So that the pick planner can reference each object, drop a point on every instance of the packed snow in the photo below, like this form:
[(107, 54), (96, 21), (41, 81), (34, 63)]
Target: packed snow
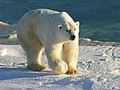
[(99, 68)]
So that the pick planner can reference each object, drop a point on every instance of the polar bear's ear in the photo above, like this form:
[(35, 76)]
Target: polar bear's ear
[(60, 27), (77, 23)]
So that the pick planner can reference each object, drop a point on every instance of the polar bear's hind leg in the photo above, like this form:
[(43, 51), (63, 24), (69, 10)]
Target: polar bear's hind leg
[(34, 54), (34, 60), (33, 48)]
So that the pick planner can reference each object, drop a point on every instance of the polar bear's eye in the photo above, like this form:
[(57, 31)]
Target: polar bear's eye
[(67, 30), (60, 27), (74, 29)]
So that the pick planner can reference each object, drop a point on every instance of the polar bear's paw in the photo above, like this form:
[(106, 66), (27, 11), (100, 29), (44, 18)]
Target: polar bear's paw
[(35, 67), (72, 70), (61, 68)]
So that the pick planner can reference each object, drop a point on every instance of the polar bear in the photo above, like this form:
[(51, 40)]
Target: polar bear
[(54, 31)]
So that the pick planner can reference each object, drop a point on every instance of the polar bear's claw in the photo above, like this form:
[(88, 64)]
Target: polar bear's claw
[(35, 67), (71, 70)]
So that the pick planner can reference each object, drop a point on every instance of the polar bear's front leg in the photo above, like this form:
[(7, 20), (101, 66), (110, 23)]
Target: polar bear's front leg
[(54, 59), (70, 51)]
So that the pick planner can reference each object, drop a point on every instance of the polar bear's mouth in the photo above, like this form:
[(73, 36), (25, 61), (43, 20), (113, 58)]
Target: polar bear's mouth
[(72, 37)]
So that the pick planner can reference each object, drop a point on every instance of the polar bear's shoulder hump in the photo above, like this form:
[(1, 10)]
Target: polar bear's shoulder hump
[(45, 11)]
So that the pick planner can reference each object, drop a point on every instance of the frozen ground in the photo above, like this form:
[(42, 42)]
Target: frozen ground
[(100, 67)]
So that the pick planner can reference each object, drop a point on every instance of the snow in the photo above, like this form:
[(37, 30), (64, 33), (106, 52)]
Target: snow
[(7, 31), (99, 68)]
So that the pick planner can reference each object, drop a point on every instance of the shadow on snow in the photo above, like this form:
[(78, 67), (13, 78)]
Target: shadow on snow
[(12, 73)]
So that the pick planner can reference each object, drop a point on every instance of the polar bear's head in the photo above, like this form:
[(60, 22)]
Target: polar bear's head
[(69, 30)]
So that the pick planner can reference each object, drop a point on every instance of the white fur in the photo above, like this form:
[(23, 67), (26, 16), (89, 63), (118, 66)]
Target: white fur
[(44, 28)]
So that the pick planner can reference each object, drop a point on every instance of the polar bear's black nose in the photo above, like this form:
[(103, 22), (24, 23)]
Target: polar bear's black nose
[(72, 37)]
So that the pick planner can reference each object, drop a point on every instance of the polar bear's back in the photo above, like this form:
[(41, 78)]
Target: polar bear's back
[(41, 12), (46, 11), (42, 15), (46, 15)]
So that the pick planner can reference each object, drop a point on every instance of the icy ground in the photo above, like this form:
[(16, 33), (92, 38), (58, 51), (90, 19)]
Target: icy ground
[(99, 66)]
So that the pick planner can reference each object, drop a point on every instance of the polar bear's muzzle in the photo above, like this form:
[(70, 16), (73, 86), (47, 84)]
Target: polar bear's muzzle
[(72, 37)]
